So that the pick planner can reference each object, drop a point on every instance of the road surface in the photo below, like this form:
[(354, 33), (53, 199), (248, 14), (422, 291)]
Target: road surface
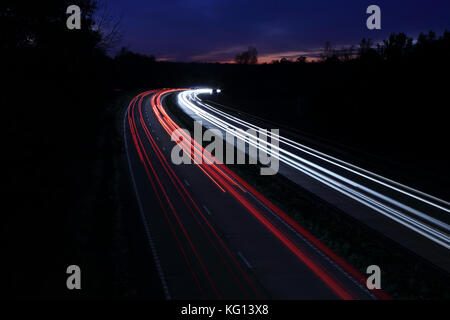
[(416, 220), (212, 235)]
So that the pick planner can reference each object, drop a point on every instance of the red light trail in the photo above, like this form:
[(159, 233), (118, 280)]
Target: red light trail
[(229, 182)]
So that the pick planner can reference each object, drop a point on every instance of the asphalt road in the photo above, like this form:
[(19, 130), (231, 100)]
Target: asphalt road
[(212, 236), (417, 221)]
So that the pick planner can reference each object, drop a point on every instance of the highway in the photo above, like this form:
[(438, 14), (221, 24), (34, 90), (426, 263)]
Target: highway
[(413, 218), (212, 235)]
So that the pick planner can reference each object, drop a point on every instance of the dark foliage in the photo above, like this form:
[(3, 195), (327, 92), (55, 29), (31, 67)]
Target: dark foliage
[(53, 99), (247, 57)]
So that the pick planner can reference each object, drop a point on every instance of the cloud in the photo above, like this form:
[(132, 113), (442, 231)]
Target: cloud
[(309, 53), (219, 55), (227, 55), (165, 59)]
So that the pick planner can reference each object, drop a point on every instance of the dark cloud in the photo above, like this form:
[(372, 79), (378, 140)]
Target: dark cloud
[(192, 30)]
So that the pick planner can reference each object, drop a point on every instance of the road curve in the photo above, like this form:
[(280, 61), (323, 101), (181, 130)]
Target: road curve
[(215, 237), (416, 220)]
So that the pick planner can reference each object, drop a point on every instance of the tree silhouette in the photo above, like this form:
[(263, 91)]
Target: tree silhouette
[(247, 57), (108, 27), (301, 59), (397, 46)]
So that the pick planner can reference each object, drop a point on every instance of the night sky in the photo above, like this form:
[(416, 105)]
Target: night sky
[(216, 30)]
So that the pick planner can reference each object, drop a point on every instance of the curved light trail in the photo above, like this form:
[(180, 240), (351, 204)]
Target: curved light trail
[(226, 182), (416, 210)]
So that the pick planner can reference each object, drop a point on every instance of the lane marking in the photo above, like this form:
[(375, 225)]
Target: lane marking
[(206, 209), (245, 260), (144, 219), (323, 255), (317, 250)]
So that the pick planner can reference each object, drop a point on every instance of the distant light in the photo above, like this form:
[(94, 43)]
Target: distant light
[(218, 91)]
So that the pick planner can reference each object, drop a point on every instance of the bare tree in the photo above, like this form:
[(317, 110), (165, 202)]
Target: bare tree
[(247, 57), (301, 59), (365, 46), (327, 52), (108, 27), (347, 53)]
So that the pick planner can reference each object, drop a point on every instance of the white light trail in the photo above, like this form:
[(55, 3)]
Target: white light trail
[(399, 202)]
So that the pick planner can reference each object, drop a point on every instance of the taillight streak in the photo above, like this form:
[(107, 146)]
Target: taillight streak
[(331, 282)]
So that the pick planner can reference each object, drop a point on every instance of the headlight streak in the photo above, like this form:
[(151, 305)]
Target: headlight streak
[(386, 205), (340, 163)]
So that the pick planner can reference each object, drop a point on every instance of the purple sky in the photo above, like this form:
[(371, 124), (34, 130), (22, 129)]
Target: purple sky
[(216, 30)]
